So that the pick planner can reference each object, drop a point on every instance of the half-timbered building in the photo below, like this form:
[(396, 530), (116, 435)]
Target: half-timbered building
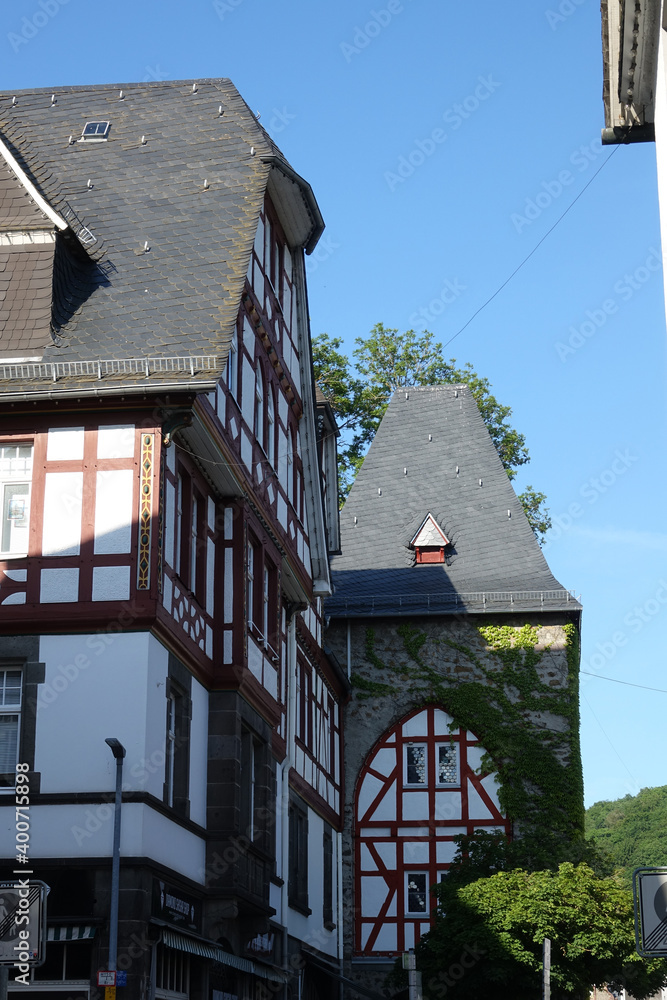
[(439, 569), (167, 513)]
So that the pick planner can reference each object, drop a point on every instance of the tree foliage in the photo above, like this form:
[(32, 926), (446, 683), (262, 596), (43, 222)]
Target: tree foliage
[(387, 360), (493, 917), (631, 829)]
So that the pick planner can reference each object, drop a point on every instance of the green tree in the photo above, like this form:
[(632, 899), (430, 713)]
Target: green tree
[(387, 360), (488, 933), (631, 829)]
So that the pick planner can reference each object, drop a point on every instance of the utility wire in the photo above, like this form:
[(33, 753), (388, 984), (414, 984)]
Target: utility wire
[(589, 673), (611, 743), (536, 247)]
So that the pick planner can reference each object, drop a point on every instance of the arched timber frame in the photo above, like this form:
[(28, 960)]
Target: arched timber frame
[(421, 786)]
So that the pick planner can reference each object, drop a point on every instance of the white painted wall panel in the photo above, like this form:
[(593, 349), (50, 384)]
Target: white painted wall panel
[(255, 659), (198, 752), (229, 523), (95, 686), (171, 459), (111, 583), (116, 441), (227, 647), (73, 831), (248, 337), (59, 586), (281, 512), (61, 532), (246, 451), (113, 511), (65, 444)]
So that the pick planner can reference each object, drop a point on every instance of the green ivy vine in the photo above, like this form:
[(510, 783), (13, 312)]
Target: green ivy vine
[(538, 792)]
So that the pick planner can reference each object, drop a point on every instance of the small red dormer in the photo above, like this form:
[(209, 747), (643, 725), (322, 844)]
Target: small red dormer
[(430, 542)]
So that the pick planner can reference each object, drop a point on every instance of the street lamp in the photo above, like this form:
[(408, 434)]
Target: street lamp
[(118, 750)]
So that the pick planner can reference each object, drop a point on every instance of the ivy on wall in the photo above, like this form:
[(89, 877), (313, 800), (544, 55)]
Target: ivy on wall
[(539, 763)]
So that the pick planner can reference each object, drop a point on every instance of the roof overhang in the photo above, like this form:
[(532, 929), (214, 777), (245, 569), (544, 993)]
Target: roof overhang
[(630, 36), (295, 204)]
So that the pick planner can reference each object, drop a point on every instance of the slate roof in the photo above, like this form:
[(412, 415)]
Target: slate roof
[(112, 299), (433, 454)]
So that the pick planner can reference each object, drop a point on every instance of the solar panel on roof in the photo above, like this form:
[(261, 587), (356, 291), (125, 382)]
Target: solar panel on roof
[(95, 130)]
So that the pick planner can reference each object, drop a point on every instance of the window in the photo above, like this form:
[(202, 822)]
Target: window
[(297, 884), (177, 738), (190, 561), (415, 764), (95, 131), (327, 894), (233, 365), (15, 478), (252, 561), (290, 467), (304, 715), (10, 718), (259, 409), (416, 892), (250, 758), (170, 749), (270, 428), (447, 764), (172, 972)]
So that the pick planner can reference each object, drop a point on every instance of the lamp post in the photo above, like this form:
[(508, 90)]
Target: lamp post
[(118, 750)]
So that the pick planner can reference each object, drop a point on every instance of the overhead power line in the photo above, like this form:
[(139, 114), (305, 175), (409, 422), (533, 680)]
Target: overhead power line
[(536, 247)]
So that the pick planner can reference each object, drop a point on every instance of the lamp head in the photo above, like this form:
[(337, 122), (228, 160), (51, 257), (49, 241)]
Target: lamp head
[(117, 748)]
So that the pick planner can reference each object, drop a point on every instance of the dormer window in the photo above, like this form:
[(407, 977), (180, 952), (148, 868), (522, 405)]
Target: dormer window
[(429, 542)]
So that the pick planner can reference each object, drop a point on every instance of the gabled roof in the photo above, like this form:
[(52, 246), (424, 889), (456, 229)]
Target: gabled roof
[(432, 453), (428, 534), (161, 218)]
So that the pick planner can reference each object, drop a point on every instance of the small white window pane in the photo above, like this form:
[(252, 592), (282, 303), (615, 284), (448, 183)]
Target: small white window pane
[(9, 741), (416, 892), (415, 764), (448, 770), (15, 517)]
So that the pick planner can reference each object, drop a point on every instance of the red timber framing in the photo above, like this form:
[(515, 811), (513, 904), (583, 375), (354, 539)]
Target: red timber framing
[(88, 496), (189, 589), (258, 402), (316, 774), (422, 785)]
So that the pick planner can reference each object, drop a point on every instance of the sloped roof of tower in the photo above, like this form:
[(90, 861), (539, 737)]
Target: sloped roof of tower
[(433, 454), (153, 227)]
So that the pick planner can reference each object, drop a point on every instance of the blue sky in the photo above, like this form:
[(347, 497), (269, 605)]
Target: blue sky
[(443, 142)]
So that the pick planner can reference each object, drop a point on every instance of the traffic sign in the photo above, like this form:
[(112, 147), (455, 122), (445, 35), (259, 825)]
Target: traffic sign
[(650, 897), (106, 978), (23, 922)]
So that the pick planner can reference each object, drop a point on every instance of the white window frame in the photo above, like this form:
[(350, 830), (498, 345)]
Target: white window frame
[(9, 710), (406, 748), (414, 913), (233, 365), (271, 427), (11, 478)]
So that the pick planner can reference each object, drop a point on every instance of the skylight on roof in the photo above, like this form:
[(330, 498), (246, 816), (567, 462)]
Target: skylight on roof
[(95, 132)]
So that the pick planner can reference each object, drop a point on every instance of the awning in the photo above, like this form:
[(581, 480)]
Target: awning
[(208, 949), (70, 933)]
